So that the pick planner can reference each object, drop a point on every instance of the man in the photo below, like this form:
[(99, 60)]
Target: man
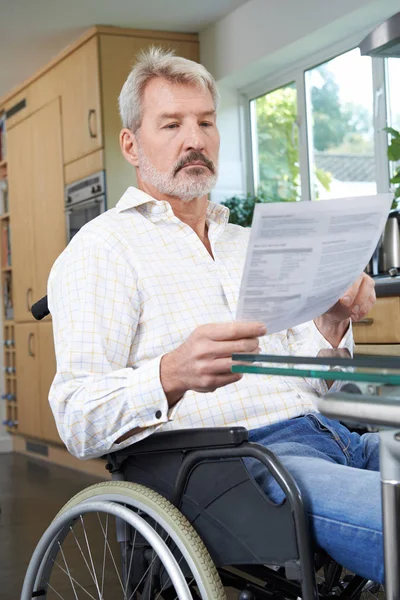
[(143, 303)]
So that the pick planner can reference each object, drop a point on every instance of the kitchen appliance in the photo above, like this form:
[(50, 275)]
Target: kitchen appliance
[(384, 40), (389, 249), (84, 200)]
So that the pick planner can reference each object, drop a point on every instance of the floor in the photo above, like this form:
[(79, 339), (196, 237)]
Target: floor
[(31, 494)]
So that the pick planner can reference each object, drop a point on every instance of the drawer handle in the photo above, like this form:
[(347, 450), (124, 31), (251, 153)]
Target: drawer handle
[(31, 352), (367, 321), (29, 299), (91, 113)]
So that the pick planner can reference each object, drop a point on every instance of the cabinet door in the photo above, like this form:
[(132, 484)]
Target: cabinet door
[(81, 118), (47, 371), (27, 371), (47, 193), (36, 204), (20, 153)]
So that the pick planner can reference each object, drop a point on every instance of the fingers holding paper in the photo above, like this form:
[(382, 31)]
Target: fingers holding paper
[(359, 298), (357, 301)]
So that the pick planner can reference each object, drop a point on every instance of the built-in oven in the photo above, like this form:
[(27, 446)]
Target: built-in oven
[(84, 200)]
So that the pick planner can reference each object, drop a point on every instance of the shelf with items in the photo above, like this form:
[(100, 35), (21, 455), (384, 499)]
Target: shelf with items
[(3, 161), (3, 153), (4, 207), (5, 242), (8, 308), (3, 166), (10, 378), (9, 396)]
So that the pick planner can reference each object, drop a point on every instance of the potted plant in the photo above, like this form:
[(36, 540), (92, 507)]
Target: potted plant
[(241, 208)]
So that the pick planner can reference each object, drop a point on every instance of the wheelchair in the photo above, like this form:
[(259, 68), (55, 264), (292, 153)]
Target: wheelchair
[(183, 518)]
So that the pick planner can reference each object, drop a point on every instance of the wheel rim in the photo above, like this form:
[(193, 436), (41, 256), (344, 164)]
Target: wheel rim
[(73, 565), (161, 525), (166, 518)]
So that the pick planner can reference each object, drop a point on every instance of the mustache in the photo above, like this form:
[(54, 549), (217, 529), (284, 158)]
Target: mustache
[(194, 156)]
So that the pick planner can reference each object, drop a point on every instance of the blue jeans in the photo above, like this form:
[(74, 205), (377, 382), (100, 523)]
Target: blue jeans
[(337, 472)]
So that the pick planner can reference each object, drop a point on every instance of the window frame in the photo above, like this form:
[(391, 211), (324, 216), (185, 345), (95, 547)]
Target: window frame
[(296, 75)]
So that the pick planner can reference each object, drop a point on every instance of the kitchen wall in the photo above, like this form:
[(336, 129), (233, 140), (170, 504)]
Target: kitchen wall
[(262, 38)]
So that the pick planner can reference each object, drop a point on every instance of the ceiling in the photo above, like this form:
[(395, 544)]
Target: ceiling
[(34, 31)]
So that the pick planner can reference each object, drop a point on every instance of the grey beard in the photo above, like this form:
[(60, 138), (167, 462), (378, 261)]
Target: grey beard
[(185, 187)]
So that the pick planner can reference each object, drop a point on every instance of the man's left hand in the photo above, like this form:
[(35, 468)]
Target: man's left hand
[(356, 302)]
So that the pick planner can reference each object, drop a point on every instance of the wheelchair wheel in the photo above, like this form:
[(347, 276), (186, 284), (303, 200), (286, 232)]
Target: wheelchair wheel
[(118, 540)]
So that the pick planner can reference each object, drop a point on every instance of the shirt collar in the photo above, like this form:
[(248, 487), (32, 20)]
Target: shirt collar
[(133, 197)]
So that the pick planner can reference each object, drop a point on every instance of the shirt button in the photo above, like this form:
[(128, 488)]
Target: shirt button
[(158, 414)]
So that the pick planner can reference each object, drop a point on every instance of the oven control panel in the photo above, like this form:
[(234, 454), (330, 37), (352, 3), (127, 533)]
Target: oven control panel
[(85, 189)]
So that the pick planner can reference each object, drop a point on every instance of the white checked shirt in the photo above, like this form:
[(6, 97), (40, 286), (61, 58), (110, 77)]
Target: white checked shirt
[(130, 287)]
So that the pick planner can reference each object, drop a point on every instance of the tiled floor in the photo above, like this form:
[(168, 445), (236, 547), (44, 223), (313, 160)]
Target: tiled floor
[(31, 494)]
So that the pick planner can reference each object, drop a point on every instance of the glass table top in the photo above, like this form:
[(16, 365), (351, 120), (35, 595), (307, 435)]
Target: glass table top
[(329, 365)]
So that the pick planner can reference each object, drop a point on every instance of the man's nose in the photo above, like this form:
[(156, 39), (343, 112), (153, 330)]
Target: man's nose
[(194, 139)]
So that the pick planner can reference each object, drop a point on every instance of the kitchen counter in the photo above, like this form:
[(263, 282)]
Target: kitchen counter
[(387, 286)]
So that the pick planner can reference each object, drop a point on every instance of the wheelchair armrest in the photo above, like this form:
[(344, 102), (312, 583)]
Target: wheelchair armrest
[(192, 439), (186, 439)]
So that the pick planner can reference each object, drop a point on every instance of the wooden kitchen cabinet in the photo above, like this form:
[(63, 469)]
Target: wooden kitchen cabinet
[(35, 370), (28, 379), (36, 189), (79, 84), (381, 325)]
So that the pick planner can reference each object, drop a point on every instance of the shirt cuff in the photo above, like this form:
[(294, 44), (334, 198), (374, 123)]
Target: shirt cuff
[(149, 394)]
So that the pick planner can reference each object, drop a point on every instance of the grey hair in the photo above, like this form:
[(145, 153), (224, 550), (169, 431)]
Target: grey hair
[(156, 62)]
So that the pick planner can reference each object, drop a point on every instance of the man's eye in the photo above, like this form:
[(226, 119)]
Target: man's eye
[(206, 124), (171, 126)]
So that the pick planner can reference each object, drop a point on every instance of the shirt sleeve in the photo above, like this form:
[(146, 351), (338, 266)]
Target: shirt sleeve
[(307, 340), (97, 396)]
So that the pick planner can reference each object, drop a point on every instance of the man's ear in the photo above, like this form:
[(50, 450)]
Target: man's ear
[(128, 143)]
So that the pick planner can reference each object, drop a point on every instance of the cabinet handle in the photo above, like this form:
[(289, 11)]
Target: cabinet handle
[(29, 299), (91, 113), (30, 351), (367, 321)]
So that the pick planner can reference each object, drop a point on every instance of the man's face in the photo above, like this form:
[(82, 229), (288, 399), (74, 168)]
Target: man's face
[(178, 140)]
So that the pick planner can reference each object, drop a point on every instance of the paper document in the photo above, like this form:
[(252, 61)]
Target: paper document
[(303, 256)]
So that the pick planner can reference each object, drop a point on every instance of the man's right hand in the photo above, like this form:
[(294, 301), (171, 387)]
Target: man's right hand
[(203, 362)]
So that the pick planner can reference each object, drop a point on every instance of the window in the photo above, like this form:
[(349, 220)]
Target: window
[(393, 94), (316, 132), (393, 106), (276, 144), (341, 134)]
